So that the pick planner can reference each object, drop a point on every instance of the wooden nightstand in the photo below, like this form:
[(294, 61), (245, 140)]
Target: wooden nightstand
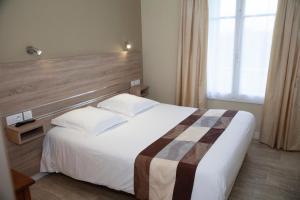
[(21, 185), (25, 133), (140, 90)]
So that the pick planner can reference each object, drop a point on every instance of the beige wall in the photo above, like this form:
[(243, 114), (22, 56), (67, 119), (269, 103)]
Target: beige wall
[(160, 24), (67, 27), (159, 29)]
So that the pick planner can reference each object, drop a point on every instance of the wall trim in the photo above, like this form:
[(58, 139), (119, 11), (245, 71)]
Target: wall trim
[(256, 135), (39, 175)]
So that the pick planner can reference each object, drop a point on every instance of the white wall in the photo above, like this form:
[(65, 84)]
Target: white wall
[(160, 26)]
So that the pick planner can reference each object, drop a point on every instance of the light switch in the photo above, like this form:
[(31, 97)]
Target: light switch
[(27, 115), (13, 119)]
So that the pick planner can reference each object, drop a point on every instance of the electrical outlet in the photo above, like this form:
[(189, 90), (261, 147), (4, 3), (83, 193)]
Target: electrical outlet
[(135, 82), (13, 119), (132, 83), (27, 115)]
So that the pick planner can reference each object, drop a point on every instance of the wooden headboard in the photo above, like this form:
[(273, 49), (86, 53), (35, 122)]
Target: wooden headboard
[(50, 87)]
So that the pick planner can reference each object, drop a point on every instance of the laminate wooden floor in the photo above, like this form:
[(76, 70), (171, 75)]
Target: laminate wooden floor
[(266, 174)]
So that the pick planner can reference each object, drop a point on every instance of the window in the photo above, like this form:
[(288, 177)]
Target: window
[(239, 45)]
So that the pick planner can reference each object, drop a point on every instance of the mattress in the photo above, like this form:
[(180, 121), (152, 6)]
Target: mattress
[(108, 159)]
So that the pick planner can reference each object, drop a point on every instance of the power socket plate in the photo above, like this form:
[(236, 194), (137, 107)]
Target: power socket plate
[(13, 119), (135, 82), (27, 115)]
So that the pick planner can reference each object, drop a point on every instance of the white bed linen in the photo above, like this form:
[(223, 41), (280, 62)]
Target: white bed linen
[(108, 159)]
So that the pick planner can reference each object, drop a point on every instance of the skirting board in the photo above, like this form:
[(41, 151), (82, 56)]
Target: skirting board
[(256, 135), (39, 175)]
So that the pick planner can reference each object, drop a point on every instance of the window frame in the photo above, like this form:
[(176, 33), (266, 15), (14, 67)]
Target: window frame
[(239, 18)]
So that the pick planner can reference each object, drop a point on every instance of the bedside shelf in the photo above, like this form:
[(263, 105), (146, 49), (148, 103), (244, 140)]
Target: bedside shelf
[(144, 90), (26, 133), (140, 90)]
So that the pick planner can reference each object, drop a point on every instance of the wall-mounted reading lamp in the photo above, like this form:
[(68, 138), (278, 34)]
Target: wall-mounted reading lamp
[(127, 46), (32, 50)]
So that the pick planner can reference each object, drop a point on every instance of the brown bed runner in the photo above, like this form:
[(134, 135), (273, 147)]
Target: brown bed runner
[(166, 168)]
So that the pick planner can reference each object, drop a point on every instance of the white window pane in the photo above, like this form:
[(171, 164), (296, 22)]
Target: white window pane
[(256, 47), (222, 8), (258, 7), (220, 57)]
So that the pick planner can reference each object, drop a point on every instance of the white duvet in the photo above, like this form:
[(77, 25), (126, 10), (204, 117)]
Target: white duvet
[(108, 159)]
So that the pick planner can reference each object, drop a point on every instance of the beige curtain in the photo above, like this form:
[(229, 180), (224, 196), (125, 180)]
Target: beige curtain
[(281, 93), (192, 53)]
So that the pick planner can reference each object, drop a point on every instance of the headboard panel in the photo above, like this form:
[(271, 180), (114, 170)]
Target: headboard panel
[(46, 85), (50, 87)]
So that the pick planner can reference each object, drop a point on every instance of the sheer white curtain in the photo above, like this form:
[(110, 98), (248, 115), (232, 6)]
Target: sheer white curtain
[(240, 36)]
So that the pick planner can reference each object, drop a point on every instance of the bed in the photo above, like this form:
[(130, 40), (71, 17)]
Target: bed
[(108, 159)]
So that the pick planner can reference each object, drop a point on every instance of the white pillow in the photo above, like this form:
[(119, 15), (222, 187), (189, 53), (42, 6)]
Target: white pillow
[(89, 120), (127, 104)]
